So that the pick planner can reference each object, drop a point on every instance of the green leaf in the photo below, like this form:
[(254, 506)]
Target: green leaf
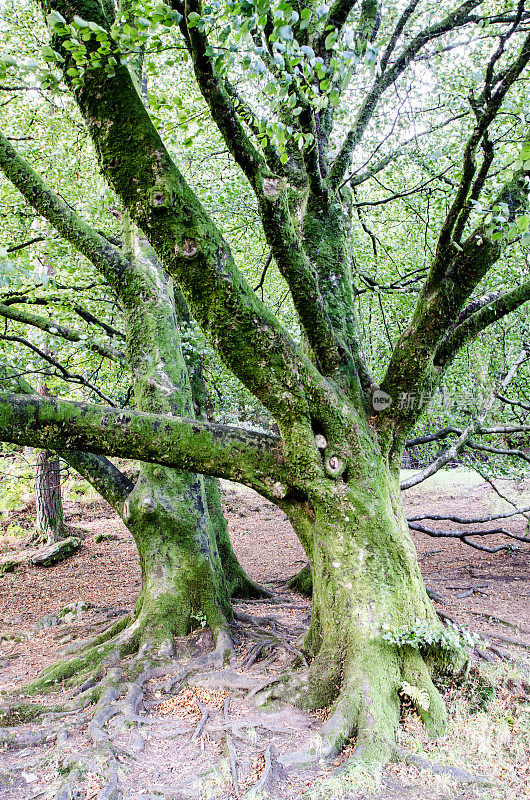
[(522, 223), (8, 61), (193, 19), (285, 32), (306, 19), (50, 55), (330, 40), (55, 17)]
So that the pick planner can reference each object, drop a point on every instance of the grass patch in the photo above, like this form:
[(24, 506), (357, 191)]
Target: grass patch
[(21, 713), (488, 734), (354, 777)]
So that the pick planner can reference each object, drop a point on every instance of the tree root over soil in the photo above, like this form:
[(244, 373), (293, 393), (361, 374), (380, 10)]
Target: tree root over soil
[(107, 676), (109, 679)]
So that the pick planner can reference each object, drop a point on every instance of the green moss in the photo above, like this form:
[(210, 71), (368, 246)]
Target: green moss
[(76, 670), (20, 714), (302, 582)]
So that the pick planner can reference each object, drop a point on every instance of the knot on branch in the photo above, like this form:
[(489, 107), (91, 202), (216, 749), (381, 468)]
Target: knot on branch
[(147, 505), (271, 187), (160, 197), (334, 465), (188, 248)]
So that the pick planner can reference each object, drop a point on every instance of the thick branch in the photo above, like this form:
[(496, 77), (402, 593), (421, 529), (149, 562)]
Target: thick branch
[(273, 204), (101, 473), (139, 168), (396, 33), (96, 248), (248, 457), (415, 358), (453, 20), (336, 18), (472, 325), (485, 117)]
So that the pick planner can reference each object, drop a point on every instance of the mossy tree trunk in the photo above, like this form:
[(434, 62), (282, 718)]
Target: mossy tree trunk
[(175, 517), (366, 587), (183, 583)]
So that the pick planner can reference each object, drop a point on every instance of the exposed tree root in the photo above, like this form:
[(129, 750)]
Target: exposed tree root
[(110, 670), (233, 766), (302, 582), (367, 704), (454, 773)]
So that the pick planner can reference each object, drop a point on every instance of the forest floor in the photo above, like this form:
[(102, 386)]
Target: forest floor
[(164, 756)]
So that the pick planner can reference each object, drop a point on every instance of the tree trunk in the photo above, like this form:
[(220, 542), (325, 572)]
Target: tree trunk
[(368, 597), (49, 523), (183, 585), (238, 582)]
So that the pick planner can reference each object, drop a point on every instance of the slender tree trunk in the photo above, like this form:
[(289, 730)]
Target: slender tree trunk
[(49, 517), (49, 522)]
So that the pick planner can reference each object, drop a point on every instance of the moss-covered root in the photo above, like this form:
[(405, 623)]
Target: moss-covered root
[(119, 696), (368, 706), (147, 639), (302, 582), (92, 660), (366, 709), (116, 697)]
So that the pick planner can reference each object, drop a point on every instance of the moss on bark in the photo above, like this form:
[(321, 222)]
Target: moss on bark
[(366, 585)]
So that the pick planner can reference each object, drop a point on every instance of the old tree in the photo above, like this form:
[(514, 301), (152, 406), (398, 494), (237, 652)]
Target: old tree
[(296, 92)]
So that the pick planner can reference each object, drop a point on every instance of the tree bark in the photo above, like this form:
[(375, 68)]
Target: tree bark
[(367, 590), (49, 521)]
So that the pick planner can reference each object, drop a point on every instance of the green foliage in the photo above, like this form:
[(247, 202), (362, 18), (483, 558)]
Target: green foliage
[(425, 638), (16, 486), (419, 697), (200, 618)]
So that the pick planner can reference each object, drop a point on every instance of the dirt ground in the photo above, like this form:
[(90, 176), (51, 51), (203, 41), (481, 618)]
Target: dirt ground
[(488, 593)]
